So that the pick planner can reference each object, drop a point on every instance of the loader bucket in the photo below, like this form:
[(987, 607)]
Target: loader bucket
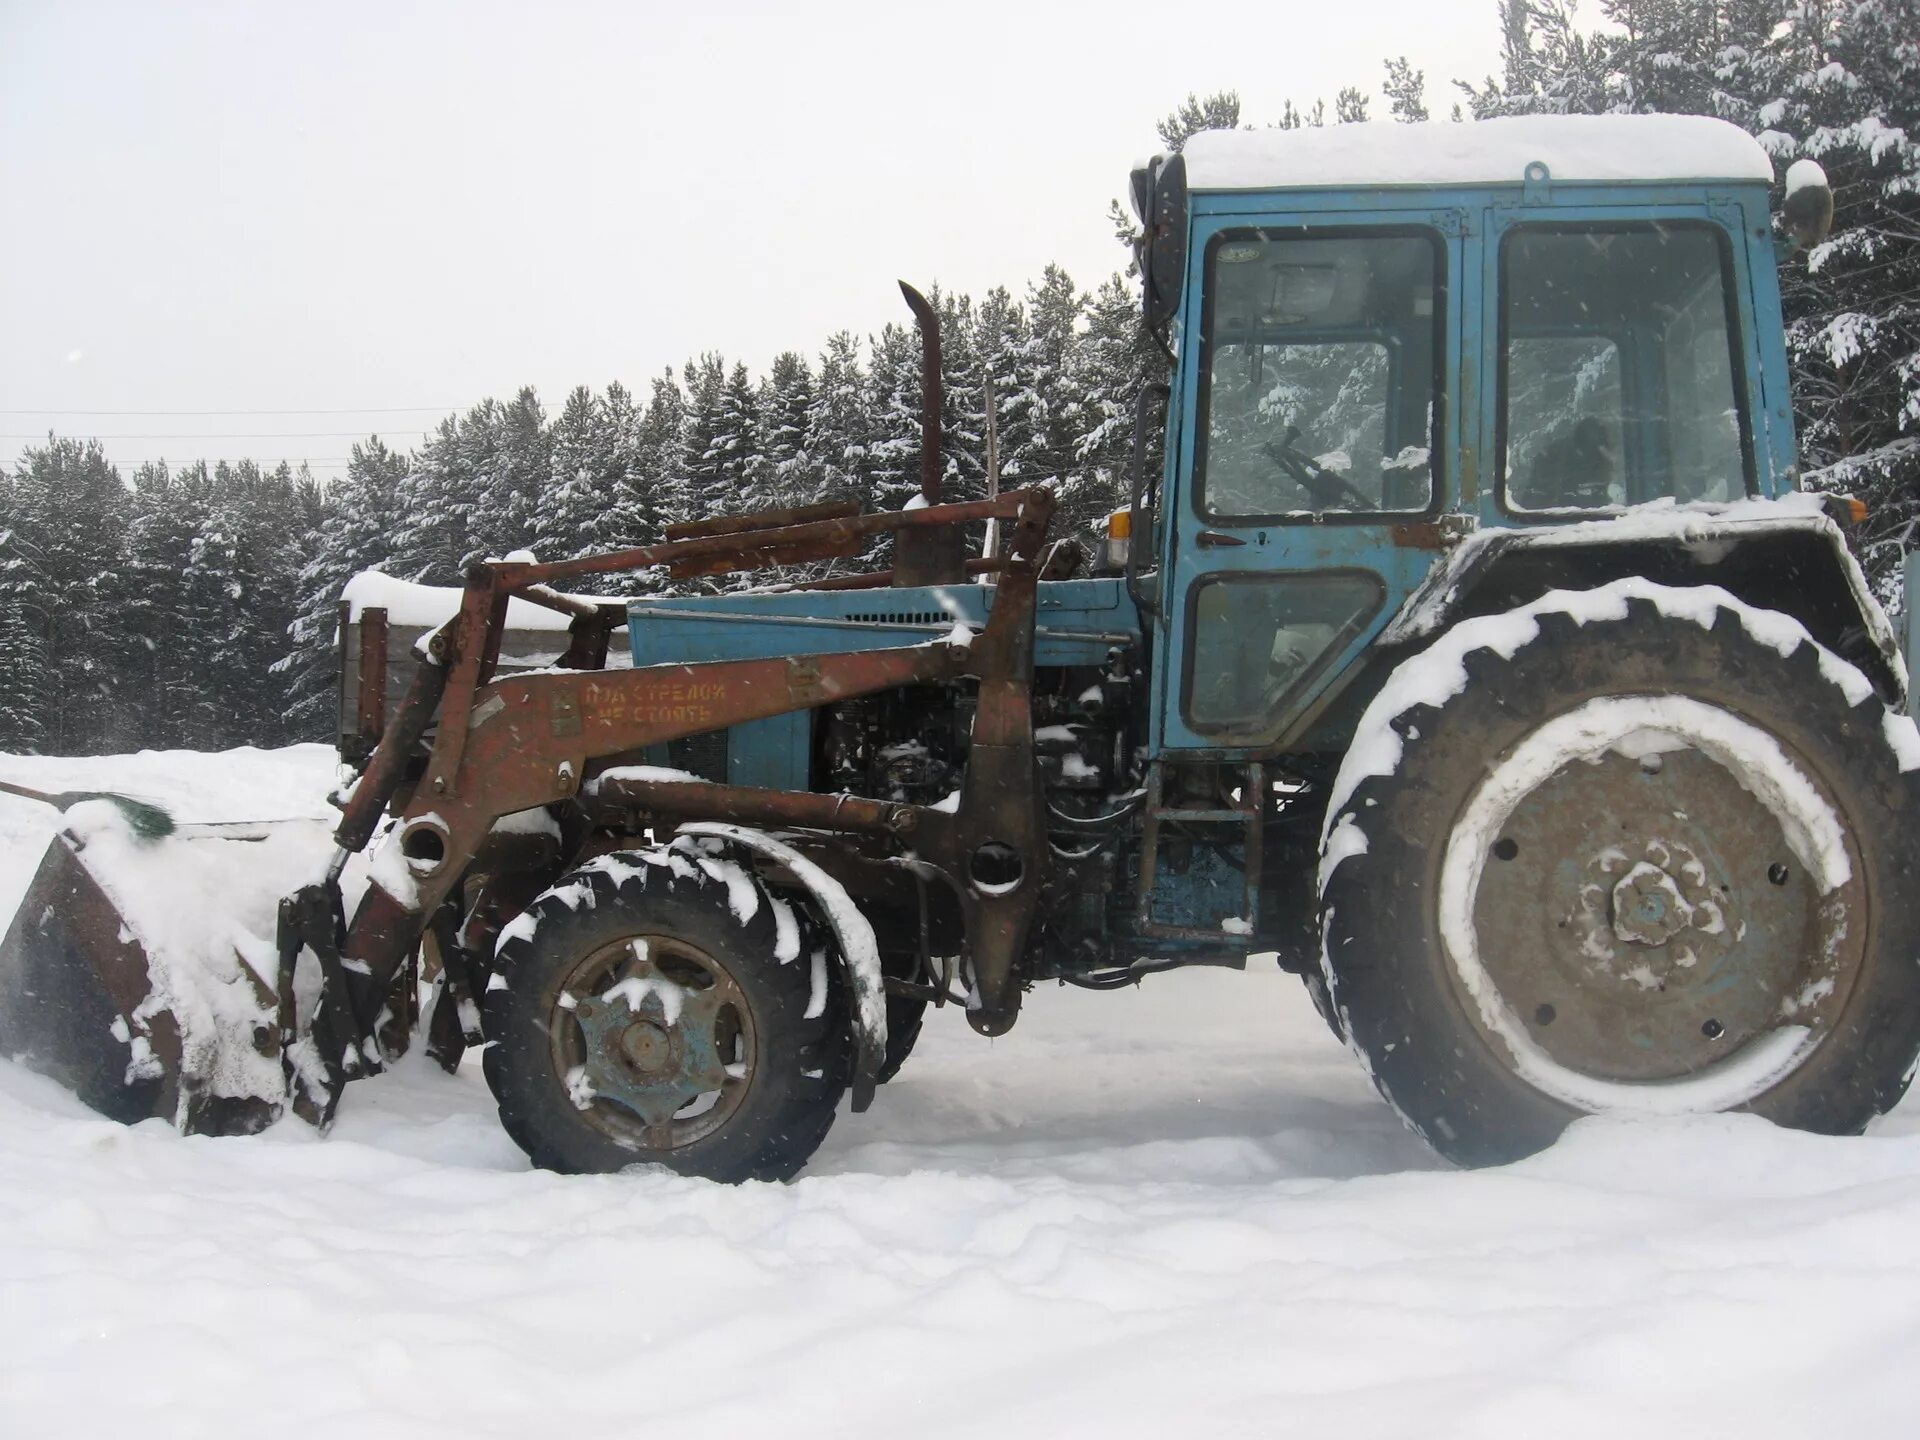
[(71, 978), (79, 1003)]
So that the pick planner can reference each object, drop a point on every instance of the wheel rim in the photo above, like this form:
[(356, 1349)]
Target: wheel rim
[(1650, 906), (654, 1042)]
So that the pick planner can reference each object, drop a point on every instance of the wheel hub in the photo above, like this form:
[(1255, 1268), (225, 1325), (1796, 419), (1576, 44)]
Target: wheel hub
[(651, 1046), (1652, 917), (1648, 908), (646, 1047)]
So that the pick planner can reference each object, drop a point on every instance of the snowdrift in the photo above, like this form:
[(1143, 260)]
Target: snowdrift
[(1157, 1212)]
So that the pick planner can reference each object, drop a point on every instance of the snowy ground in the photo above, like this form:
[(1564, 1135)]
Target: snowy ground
[(1177, 1210)]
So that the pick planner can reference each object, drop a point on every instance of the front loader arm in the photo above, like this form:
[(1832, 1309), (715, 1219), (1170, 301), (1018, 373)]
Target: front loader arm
[(507, 745)]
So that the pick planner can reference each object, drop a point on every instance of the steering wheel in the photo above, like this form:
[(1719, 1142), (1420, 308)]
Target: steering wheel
[(1328, 490)]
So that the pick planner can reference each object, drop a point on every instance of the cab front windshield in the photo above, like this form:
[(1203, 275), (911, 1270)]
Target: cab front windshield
[(1321, 374)]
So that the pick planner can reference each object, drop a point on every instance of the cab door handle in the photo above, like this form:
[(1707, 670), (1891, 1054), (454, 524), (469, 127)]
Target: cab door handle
[(1213, 540)]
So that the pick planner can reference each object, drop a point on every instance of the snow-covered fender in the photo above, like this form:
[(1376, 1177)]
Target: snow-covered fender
[(1785, 555), (858, 949)]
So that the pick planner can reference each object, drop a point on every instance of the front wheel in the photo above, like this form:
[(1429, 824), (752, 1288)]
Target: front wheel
[(662, 1007), (1636, 850)]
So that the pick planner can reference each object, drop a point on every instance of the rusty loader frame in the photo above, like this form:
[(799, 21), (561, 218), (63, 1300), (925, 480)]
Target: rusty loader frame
[(506, 744)]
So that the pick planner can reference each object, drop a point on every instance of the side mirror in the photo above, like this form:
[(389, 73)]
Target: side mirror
[(1808, 209), (1160, 200)]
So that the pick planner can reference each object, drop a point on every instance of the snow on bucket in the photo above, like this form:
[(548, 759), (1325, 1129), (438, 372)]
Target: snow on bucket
[(138, 973)]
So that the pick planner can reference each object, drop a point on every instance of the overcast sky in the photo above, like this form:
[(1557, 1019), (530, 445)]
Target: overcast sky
[(284, 208)]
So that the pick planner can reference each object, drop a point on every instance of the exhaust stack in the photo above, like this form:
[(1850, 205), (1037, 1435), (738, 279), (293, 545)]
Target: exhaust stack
[(938, 556)]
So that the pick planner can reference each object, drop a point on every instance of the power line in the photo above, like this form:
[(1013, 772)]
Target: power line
[(368, 410), (256, 459), (216, 435)]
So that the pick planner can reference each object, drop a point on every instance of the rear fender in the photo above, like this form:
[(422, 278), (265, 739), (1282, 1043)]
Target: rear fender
[(1783, 555)]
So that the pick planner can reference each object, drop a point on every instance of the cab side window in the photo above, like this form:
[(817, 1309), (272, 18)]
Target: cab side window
[(1618, 374)]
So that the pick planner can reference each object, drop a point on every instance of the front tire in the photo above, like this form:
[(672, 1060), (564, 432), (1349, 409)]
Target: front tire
[(1633, 858), (662, 1007)]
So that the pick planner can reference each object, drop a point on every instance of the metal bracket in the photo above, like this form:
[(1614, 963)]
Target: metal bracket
[(312, 919)]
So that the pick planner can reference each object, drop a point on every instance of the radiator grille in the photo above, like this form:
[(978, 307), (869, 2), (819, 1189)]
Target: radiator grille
[(704, 755)]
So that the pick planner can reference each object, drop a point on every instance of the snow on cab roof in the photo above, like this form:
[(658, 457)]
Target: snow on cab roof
[(1477, 152)]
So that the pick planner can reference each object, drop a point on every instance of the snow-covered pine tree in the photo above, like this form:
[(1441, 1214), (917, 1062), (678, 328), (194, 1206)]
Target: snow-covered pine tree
[(1840, 83), (23, 641), (70, 511), (1666, 54), (1056, 312), (1549, 66), (1218, 111), (1112, 356), (438, 500), (484, 515), (963, 415), (705, 494), (838, 427), (737, 448), (22, 672), (584, 480), (489, 470), (199, 606), (1003, 339), (784, 401), (226, 574), (893, 408), (659, 487), (621, 522), (1406, 91), (274, 514), (517, 478), (159, 548)]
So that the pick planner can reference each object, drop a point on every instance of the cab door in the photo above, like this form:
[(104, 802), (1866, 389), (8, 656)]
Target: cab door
[(1313, 454)]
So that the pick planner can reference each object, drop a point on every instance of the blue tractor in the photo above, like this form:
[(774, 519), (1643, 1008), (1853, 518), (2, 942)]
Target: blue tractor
[(1470, 649)]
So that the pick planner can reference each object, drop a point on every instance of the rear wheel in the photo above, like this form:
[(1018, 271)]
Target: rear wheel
[(1636, 864), (662, 1007)]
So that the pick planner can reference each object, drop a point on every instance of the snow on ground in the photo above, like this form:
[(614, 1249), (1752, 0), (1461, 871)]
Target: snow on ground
[(1174, 1210)]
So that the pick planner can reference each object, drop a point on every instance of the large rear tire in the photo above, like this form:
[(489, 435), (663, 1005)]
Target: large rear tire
[(1642, 851), (662, 1007)]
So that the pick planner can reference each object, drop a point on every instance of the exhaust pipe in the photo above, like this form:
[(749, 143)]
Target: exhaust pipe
[(934, 556)]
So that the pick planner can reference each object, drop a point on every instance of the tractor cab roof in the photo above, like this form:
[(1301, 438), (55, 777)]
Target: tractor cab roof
[(1572, 148)]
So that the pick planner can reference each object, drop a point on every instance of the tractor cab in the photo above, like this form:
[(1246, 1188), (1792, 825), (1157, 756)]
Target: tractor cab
[(1389, 338)]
